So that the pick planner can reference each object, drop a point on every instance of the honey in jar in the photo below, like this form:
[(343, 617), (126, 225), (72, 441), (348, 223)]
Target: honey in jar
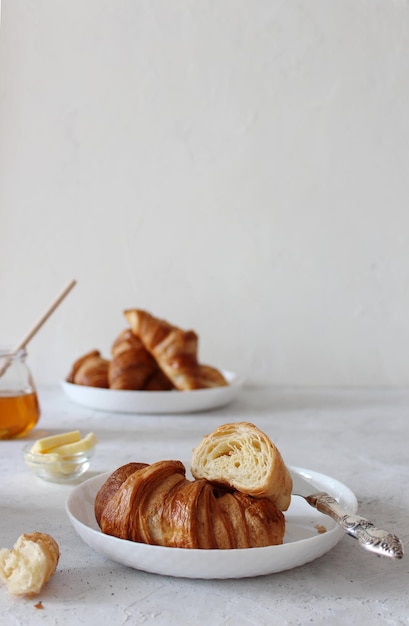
[(19, 406)]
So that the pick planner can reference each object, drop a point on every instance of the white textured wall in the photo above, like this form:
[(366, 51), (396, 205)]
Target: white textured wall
[(239, 167)]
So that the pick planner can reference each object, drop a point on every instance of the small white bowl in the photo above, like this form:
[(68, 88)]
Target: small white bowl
[(57, 468)]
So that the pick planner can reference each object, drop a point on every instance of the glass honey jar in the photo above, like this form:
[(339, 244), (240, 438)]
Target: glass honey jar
[(19, 406)]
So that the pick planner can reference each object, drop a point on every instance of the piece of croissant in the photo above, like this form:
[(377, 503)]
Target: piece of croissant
[(157, 505), (29, 564), (90, 370), (175, 350), (242, 457), (131, 364)]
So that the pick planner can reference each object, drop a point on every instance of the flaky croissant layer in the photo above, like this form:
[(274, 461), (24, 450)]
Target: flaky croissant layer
[(156, 504), (242, 457)]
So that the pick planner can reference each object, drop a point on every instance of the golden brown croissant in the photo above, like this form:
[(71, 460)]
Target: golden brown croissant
[(156, 504), (211, 377), (90, 370), (158, 381), (242, 457), (175, 350), (131, 365)]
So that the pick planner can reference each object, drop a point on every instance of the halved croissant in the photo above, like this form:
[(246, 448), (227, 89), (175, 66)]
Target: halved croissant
[(90, 370), (156, 504), (242, 457), (175, 350)]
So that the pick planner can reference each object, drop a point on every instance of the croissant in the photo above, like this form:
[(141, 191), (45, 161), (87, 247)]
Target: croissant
[(242, 457), (131, 365), (158, 381), (90, 370), (29, 564), (157, 505), (175, 350), (211, 377)]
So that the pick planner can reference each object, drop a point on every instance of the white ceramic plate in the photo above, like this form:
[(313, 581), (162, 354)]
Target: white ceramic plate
[(123, 401), (302, 541)]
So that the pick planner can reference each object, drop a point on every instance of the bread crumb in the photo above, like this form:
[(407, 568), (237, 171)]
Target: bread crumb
[(320, 529)]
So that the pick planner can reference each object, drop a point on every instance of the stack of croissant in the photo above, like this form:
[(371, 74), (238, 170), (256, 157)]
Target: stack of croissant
[(150, 355), (240, 489)]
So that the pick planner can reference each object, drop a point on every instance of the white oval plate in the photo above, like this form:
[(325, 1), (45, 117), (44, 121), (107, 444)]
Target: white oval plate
[(161, 402), (302, 541)]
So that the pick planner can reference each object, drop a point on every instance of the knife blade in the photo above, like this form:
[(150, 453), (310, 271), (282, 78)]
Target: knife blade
[(378, 541)]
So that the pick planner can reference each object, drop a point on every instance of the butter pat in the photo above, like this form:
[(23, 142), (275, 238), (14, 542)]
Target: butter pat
[(63, 462), (78, 446), (46, 444)]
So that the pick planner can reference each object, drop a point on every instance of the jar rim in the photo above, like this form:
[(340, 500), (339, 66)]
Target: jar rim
[(9, 351)]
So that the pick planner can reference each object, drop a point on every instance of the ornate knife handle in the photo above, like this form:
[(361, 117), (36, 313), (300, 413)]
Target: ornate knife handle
[(371, 538)]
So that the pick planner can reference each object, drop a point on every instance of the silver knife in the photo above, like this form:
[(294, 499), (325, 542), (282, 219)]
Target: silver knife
[(371, 538)]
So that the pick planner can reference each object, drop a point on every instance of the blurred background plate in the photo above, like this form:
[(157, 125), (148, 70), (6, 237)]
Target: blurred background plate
[(166, 402)]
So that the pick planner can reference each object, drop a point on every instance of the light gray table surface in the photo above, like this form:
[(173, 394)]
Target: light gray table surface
[(359, 437)]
